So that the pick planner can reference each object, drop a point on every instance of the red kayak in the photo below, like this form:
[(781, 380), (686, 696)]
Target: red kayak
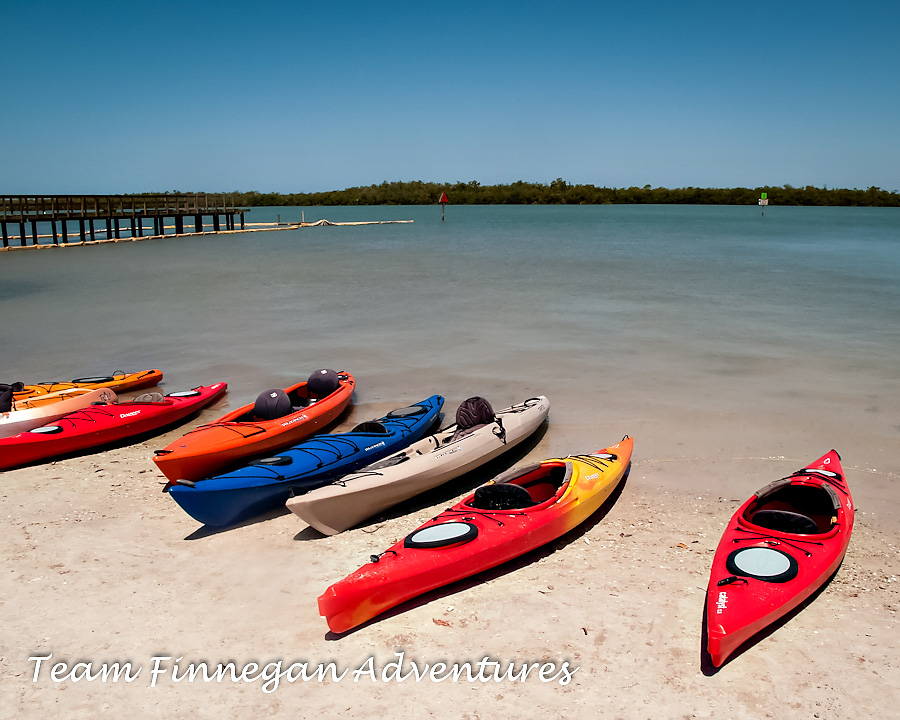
[(102, 424), (515, 513), (781, 546)]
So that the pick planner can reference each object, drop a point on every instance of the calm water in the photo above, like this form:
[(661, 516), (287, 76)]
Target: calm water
[(664, 312)]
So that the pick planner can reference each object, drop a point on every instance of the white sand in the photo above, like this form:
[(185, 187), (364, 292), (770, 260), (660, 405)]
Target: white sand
[(100, 566)]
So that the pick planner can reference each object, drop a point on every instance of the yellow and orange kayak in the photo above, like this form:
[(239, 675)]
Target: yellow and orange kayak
[(515, 513), (118, 381)]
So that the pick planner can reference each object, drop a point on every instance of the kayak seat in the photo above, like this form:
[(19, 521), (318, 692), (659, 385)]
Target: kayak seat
[(272, 404), (785, 521), (501, 496), (322, 383), (473, 413), (791, 506), (6, 395), (371, 428), (150, 397)]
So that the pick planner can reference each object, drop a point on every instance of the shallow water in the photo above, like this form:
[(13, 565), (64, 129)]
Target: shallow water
[(701, 327)]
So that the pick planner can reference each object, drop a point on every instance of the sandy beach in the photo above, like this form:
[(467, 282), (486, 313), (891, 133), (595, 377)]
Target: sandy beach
[(734, 352), (677, 226), (101, 567)]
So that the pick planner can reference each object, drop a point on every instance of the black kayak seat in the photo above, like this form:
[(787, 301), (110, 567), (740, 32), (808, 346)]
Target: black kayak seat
[(501, 496), (371, 428), (6, 395), (272, 404), (473, 413), (322, 383), (785, 521)]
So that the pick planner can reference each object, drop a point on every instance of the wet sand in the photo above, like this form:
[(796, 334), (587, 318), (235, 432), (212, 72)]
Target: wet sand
[(100, 566)]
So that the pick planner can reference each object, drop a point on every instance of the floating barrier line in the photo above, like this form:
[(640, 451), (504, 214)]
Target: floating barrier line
[(250, 227)]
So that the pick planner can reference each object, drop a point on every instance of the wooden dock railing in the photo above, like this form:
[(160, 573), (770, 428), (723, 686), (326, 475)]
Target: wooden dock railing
[(22, 213)]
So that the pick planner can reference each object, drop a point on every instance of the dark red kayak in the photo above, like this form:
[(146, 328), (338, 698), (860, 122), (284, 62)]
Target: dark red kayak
[(98, 425), (781, 546)]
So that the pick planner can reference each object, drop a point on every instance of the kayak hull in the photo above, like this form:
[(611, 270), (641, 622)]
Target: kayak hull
[(119, 382), (267, 483), (417, 468), (98, 425), (233, 439), (36, 411), (566, 491), (780, 547)]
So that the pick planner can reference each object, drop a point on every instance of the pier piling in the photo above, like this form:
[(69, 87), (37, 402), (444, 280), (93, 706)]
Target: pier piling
[(122, 215)]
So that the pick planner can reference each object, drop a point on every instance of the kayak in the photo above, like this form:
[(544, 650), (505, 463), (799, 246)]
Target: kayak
[(36, 411), (780, 547), (421, 466), (279, 418), (267, 483), (102, 424), (513, 514), (118, 381)]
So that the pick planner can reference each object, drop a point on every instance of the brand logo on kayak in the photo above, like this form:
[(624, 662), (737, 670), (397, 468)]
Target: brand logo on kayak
[(131, 414), (296, 419), (592, 477), (372, 447), (721, 603), (449, 452)]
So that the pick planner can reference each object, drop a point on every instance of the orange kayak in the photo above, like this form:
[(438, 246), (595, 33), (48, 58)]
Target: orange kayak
[(515, 513), (118, 381), (279, 418)]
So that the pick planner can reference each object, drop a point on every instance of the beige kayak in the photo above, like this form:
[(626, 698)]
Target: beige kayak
[(42, 409), (422, 466)]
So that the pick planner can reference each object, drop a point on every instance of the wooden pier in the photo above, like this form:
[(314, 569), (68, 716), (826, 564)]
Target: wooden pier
[(95, 218)]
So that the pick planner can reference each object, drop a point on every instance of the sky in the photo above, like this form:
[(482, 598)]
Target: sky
[(115, 97)]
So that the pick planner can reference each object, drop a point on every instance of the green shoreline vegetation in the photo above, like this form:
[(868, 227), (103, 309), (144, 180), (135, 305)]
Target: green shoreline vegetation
[(559, 192)]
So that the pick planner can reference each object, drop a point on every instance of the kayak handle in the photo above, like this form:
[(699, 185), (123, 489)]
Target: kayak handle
[(377, 558), (732, 579)]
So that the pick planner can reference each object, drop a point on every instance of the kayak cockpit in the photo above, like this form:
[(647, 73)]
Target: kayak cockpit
[(794, 507), (523, 487), (276, 403)]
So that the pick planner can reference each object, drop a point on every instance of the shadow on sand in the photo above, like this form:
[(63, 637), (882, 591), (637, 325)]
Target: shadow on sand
[(209, 530)]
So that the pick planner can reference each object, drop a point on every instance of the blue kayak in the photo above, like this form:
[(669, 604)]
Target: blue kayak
[(267, 483)]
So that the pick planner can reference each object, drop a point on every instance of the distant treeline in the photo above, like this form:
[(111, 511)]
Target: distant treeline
[(559, 192)]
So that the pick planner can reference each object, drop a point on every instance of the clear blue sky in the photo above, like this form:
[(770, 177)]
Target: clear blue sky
[(109, 97)]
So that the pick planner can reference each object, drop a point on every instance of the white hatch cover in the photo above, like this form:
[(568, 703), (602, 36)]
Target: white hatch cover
[(441, 535), (762, 563)]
